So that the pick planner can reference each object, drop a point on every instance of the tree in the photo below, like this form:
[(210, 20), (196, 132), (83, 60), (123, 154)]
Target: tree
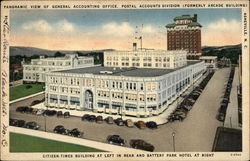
[(59, 54)]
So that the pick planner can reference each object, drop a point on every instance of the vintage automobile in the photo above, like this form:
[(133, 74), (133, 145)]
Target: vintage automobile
[(141, 144), (61, 130), (76, 133), (115, 139)]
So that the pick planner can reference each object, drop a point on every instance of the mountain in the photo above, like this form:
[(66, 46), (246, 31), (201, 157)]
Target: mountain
[(206, 49), (30, 51), (229, 51)]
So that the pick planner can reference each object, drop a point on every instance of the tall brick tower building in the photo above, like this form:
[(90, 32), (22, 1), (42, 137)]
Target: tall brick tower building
[(185, 33)]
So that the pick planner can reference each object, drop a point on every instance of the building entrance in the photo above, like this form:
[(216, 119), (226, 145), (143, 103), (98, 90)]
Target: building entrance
[(88, 100)]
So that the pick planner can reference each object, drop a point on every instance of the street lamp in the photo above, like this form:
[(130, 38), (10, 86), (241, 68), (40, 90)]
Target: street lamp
[(173, 134)]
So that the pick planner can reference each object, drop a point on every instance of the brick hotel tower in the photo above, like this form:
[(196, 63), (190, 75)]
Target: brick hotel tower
[(185, 33)]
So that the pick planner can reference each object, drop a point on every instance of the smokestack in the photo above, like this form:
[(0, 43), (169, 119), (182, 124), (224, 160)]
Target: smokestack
[(134, 46), (195, 18)]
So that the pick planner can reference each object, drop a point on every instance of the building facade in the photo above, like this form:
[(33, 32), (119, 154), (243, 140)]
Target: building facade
[(210, 61), (138, 92), (185, 34), (35, 70), (146, 59)]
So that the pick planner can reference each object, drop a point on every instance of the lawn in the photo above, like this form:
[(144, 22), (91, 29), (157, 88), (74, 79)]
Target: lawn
[(22, 90), (25, 143)]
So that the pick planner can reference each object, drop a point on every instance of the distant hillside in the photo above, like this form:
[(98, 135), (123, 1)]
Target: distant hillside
[(206, 49), (31, 51), (230, 51)]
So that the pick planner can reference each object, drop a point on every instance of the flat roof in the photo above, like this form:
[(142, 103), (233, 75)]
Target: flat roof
[(208, 57), (130, 72)]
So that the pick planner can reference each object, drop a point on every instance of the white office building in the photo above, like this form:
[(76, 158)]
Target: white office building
[(35, 70), (146, 59), (131, 90)]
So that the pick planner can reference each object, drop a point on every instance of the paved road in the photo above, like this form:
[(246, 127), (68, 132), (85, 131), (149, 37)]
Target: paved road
[(195, 133)]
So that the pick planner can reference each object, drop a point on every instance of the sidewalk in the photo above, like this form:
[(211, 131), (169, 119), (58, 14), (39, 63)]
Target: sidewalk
[(73, 140), (160, 119), (231, 120)]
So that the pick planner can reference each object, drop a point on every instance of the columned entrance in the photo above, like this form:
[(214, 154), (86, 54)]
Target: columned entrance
[(88, 100)]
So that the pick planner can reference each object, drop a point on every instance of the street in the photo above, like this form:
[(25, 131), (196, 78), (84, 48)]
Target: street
[(195, 133)]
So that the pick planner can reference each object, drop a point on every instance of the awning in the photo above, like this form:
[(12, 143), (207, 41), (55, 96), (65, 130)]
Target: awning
[(63, 97), (53, 96), (76, 99)]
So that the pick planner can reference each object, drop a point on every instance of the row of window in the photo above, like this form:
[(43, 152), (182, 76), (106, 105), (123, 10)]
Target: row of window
[(127, 96), (164, 59)]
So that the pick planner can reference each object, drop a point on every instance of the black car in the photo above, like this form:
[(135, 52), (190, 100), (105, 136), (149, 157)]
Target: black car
[(92, 118), (13, 122), (76, 133), (20, 123), (59, 114), (22, 109), (32, 125), (151, 125), (61, 130), (29, 110), (115, 139), (119, 122), (50, 112), (141, 144), (66, 114), (85, 117)]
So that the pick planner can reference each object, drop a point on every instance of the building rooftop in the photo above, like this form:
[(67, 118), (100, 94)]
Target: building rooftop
[(208, 57), (183, 17), (129, 72)]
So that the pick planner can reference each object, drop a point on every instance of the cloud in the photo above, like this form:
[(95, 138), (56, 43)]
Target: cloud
[(148, 29), (39, 26), (65, 26), (120, 30), (222, 32), (225, 25), (42, 26)]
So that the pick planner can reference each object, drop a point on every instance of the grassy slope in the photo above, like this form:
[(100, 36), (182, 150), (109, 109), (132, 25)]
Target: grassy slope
[(22, 91), (25, 143)]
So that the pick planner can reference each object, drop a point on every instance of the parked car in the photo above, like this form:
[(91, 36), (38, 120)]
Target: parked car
[(40, 112), (32, 125), (61, 130), (119, 122), (174, 117), (49, 112), (66, 114), (99, 119), (22, 109), (115, 139), (76, 133), (129, 123), (220, 117), (92, 118), (85, 117), (59, 114), (151, 125), (141, 144), (141, 125), (109, 120), (34, 111), (13, 122), (29, 110), (20, 123)]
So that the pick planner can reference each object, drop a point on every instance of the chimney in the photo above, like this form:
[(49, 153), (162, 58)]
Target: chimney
[(134, 46), (195, 18)]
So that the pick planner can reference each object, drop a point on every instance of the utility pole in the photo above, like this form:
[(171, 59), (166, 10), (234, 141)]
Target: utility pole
[(173, 134)]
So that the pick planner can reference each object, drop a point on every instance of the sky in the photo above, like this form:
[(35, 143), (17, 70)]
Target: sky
[(116, 29)]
